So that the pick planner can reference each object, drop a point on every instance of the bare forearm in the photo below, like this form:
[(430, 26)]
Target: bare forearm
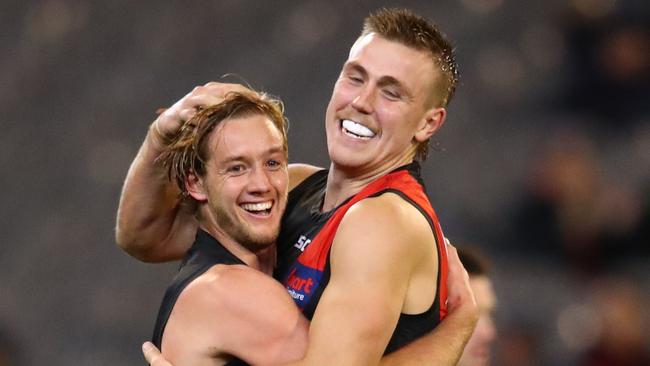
[(153, 224), (445, 344), (442, 347), (149, 207)]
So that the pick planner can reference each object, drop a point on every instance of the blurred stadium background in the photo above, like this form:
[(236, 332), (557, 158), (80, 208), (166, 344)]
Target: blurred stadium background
[(544, 161)]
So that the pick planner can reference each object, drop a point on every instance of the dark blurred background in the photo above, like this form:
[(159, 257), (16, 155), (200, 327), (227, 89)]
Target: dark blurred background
[(544, 161)]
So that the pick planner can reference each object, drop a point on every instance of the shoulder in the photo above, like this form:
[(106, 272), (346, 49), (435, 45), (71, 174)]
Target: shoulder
[(237, 290), (384, 224), (226, 295), (212, 288), (201, 315), (233, 309), (388, 212), (300, 172), (223, 283)]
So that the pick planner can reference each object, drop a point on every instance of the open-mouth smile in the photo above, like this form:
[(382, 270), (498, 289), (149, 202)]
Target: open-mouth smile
[(356, 130)]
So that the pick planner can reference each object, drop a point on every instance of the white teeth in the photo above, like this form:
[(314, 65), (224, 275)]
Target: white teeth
[(257, 206), (357, 128)]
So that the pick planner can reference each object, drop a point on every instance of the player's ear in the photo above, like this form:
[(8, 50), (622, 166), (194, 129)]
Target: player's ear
[(432, 121), (195, 187)]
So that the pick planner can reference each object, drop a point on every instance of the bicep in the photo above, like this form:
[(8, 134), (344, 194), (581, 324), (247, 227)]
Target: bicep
[(265, 319), (239, 311), (180, 235), (363, 300), (163, 239), (153, 224)]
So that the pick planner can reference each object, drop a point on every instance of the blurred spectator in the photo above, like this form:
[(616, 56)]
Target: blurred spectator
[(9, 349), (642, 235), (80, 80), (622, 312), (518, 345), (478, 349), (609, 70), (571, 212)]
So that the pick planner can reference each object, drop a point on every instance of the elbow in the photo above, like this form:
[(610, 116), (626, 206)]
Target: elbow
[(122, 239), (125, 237), (125, 242), (129, 243)]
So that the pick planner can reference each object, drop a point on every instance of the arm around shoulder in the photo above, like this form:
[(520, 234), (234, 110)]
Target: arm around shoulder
[(300, 172), (153, 224), (236, 310), (444, 345), (365, 294)]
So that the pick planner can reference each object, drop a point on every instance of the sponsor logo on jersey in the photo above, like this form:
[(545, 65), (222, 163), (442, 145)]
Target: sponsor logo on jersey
[(302, 243), (302, 282)]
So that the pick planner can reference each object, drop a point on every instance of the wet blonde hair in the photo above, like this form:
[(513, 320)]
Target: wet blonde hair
[(187, 152)]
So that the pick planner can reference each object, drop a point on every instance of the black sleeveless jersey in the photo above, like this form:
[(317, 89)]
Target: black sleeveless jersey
[(204, 253), (307, 233)]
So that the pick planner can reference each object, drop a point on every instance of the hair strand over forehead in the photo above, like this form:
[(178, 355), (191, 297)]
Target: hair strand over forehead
[(188, 153)]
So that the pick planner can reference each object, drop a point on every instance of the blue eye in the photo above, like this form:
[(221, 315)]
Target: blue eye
[(236, 168), (273, 164)]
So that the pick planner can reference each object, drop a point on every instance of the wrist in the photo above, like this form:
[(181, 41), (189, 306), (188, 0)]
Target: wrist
[(466, 316)]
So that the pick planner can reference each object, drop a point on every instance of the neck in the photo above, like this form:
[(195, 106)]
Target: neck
[(262, 259), (343, 183)]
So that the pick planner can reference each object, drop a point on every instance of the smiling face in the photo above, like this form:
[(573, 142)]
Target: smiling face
[(243, 192), (381, 106)]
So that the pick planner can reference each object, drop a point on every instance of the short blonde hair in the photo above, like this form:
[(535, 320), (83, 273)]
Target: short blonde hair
[(411, 30)]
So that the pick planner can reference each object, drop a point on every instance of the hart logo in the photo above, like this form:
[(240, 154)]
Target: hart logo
[(301, 282), (306, 279)]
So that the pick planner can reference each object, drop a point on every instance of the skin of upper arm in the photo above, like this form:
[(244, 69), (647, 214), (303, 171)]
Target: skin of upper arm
[(371, 261), (444, 345), (235, 310), (163, 238), (153, 224), (300, 172)]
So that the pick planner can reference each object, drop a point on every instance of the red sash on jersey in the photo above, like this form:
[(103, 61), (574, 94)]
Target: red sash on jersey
[(306, 274)]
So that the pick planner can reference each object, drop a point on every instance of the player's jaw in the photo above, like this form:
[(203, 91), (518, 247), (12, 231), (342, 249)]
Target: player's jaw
[(367, 142), (253, 224), (261, 215)]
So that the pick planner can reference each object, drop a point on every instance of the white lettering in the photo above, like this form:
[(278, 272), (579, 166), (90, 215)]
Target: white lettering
[(296, 295), (302, 243)]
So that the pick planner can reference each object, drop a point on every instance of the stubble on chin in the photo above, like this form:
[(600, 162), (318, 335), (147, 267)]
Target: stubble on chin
[(243, 234)]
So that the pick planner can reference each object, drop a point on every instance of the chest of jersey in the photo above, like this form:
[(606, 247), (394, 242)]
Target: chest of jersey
[(304, 263)]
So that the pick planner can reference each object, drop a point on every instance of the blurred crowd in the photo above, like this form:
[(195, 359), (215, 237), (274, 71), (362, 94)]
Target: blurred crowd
[(544, 161)]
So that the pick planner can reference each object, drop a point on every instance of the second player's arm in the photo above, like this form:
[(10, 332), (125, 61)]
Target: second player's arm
[(234, 310), (441, 347), (153, 224), (444, 345), (373, 257)]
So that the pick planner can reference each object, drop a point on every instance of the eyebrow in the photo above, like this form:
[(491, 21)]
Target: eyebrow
[(354, 66), (385, 80), (277, 149)]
